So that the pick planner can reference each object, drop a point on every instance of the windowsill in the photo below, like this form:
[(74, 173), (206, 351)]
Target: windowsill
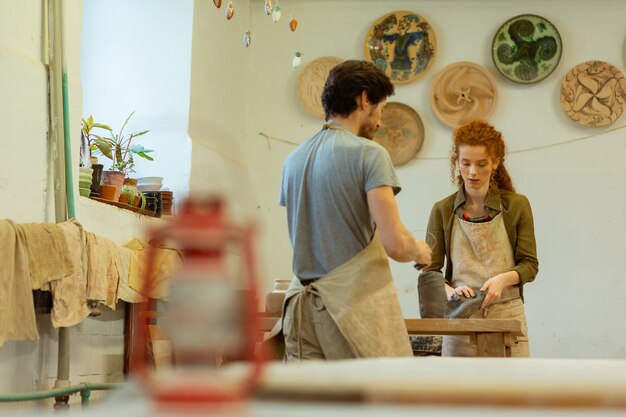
[(124, 206)]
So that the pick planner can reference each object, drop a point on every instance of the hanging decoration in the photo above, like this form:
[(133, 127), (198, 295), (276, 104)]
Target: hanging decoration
[(293, 23), (276, 13), (230, 10), (247, 38), (217, 3), (297, 59), (267, 8)]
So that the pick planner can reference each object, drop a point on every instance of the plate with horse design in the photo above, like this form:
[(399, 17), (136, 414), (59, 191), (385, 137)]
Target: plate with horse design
[(402, 44)]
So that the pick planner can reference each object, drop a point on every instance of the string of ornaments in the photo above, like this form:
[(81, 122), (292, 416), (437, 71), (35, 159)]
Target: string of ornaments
[(270, 9)]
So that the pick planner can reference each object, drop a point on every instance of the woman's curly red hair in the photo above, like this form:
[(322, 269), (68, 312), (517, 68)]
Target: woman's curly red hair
[(480, 133)]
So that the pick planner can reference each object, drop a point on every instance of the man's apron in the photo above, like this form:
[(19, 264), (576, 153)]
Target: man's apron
[(362, 299), (480, 251)]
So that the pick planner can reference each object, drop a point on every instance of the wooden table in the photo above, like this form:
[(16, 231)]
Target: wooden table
[(494, 337)]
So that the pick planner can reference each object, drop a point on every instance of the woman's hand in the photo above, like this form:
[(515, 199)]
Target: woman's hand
[(464, 290), (495, 285)]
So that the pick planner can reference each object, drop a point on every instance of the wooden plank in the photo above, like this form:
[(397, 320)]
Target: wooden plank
[(438, 326), (490, 344), (463, 326)]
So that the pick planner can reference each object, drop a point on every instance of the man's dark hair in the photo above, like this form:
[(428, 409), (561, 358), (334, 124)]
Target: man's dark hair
[(347, 81)]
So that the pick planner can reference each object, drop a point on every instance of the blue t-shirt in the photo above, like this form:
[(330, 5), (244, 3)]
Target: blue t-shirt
[(324, 188)]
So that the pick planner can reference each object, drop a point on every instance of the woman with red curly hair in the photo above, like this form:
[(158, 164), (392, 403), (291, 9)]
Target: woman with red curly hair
[(485, 234)]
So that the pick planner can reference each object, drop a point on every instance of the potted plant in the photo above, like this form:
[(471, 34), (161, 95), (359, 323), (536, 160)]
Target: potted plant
[(133, 197), (121, 150), (88, 139)]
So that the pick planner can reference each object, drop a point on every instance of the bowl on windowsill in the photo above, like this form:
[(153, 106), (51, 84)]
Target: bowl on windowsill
[(149, 184)]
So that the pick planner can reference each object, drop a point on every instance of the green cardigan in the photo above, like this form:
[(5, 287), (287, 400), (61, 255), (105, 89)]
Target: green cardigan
[(518, 221)]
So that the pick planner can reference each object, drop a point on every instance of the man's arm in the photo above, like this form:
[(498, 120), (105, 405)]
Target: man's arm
[(396, 239)]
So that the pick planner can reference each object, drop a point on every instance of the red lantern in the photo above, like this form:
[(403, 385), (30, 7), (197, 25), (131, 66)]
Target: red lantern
[(210, 316)]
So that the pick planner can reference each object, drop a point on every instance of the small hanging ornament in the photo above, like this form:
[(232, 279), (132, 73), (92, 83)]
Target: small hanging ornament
[(217, 3), (293, 23), (276, 13), (230, 10), (247, 38), (267, 8), (297, 59)]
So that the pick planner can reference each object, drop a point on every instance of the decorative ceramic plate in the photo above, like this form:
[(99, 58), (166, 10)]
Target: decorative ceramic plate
[(311, 83), (462, 92), (402, 44), (593, 94), (526, 48), (401, 133)]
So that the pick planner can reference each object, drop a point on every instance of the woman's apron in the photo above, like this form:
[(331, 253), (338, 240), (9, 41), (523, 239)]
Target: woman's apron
[(362, 299), (481, 251)]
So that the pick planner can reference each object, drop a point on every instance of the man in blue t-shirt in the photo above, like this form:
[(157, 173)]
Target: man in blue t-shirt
[(339, 191)]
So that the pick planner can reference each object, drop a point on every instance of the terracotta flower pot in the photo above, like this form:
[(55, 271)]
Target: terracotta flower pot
[(108, 192), (124, 198), (115, 178)]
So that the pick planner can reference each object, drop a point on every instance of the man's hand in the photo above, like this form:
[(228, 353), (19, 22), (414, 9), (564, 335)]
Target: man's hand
[(424, 254)]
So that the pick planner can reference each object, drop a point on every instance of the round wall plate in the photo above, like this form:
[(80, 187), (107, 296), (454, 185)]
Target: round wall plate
[(526, 48), (462, 92), (311, 84), (401, 44), (593, 94), (401, 132)]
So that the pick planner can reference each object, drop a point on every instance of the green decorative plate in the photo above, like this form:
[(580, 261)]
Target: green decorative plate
[(526, 49), (402, 44)]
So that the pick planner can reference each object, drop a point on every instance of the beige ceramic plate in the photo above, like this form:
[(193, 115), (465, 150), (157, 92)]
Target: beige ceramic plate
[(311, 84), (401, 133), (593, 94), (402, 44), (462, 92)]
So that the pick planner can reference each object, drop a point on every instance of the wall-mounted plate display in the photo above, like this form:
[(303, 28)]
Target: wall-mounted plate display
[(593, 94), (402, 44), (311, 83), (526, 49), (462, 92), (401, 132)]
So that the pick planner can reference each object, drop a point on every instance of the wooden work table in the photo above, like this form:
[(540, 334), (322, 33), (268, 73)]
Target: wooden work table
[(494, 337)]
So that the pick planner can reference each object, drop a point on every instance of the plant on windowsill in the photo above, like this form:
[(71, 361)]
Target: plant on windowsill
[(121, 150), (133, 197), (88, 139)]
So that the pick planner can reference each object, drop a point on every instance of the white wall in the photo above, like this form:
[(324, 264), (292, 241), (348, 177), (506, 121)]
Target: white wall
[(23, 112), (218, 110), (136, 55), (576, 190)]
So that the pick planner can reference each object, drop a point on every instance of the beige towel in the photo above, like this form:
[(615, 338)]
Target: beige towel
[(48, 255), (124, 291), (102, 269), (17, 311), (167, 260), (69, 295)]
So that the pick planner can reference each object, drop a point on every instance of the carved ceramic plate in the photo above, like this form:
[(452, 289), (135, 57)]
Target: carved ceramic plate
[(593, 94), (462, 92), (311, 83), (402, 44), (401, 132), (526, 48)]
